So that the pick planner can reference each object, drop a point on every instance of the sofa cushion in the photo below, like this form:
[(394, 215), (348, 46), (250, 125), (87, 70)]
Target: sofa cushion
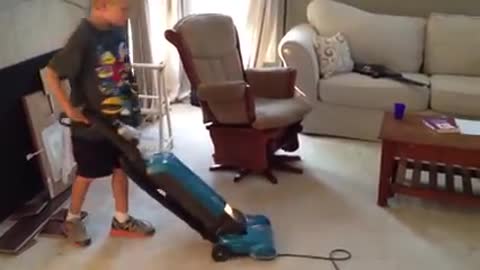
[(275, 113), (456, 94), (393, 41), (453, 45), (362, 91)]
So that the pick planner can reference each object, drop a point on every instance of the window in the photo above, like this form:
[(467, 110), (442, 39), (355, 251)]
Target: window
[(159, 14), (237, 9), (158, 23)]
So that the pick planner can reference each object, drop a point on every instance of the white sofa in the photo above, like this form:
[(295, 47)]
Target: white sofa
[(441, 49)]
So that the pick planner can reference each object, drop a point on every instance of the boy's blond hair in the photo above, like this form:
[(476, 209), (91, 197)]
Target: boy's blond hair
[(96, 3)]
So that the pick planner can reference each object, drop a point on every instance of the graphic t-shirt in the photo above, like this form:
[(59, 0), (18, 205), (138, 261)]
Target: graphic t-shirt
[(97, 64)]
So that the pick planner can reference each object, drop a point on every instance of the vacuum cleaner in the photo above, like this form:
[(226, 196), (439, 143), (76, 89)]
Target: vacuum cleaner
[(170, 182)]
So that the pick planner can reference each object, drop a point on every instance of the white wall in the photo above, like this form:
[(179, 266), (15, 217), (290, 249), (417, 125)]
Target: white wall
[(297, 8), (296, 12), (32, 27)]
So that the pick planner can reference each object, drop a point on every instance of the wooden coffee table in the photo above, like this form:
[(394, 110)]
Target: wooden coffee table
[(419, 162)]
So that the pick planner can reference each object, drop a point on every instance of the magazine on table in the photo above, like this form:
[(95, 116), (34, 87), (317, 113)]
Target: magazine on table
[(444, 124), (441, 124)]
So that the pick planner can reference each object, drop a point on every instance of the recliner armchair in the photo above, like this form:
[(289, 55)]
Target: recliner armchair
[(250, 114)]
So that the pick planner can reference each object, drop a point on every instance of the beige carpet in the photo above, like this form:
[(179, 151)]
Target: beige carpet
[(331, 206)]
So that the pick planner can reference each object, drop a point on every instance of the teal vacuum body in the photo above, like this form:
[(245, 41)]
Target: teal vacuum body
[(232, 232)]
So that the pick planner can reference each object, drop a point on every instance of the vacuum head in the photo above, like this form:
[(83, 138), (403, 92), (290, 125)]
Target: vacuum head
[(257, 242)]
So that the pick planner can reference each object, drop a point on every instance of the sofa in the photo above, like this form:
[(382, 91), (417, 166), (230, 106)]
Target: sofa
[(442, 50)]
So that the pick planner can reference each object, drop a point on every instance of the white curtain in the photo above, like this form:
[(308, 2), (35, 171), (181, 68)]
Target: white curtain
[(259, 24), (141, 44), (263, 31), (163, 15)]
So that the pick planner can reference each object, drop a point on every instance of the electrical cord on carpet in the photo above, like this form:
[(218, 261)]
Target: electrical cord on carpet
[(334, 257)]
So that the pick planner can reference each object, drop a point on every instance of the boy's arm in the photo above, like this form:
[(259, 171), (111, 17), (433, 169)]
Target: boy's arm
[(66, 64), (54, 85)]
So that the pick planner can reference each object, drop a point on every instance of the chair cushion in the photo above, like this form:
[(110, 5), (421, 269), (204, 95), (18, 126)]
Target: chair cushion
[(393, 41), (456, 94), (357, 90), (276, 113), (216, 58), (452, 45)]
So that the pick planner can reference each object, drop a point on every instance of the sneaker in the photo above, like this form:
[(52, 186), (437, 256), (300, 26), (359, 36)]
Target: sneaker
[(132, 228), (76, 233)]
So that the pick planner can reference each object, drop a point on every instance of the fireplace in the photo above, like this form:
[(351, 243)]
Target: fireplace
[(20, 179)]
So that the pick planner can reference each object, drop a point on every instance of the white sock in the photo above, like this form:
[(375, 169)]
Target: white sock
[(71, 216), (121, 217)]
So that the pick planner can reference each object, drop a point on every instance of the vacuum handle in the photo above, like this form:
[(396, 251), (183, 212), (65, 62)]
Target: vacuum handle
[(121, 137), (64, 120)]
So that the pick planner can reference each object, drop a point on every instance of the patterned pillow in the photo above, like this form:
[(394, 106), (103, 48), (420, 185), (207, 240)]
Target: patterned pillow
[(333, 55)]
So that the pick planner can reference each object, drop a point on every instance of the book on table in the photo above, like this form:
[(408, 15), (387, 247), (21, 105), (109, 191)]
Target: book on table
[(441, 124), (445, 124)]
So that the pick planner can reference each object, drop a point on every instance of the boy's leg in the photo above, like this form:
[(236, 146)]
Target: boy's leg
[(94, 160), (123, 224), (79, 191), (74, 228), (120, 194)]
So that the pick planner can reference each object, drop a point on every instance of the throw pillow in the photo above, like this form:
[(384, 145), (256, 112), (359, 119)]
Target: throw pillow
[(333, 55)]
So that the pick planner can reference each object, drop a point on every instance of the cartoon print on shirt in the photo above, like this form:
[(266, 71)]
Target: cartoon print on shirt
[(107, 58), (113, 72), (105, 72), (107, 87)]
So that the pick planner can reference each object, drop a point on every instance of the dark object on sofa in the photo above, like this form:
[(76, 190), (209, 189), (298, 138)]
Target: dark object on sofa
[(380, 71)]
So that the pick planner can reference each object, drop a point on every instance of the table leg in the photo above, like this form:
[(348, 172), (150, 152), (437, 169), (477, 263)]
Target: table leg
[(393, 177), (386, 172)]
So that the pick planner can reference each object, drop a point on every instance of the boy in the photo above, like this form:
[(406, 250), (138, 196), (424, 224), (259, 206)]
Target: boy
[(95, 60)]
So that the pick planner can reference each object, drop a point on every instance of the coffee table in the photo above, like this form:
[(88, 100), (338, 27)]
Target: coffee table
[(420, 162)]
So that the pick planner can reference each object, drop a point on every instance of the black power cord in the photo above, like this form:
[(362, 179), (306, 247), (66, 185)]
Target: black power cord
[(334, 257)]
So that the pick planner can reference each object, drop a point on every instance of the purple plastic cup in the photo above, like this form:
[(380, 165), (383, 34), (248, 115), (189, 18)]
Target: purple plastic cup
[(399, 111)]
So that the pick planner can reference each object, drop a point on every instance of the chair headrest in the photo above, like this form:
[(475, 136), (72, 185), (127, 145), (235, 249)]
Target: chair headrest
[(219, 29)]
